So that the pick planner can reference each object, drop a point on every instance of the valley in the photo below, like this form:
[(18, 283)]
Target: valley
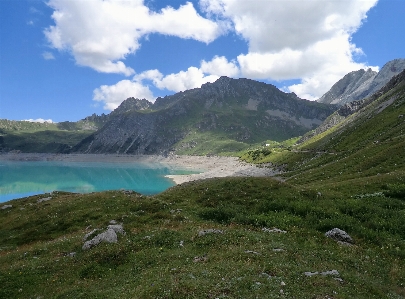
[(232, 237)]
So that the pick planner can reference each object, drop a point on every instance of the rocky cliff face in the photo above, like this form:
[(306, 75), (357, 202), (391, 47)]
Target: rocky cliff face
[(361, 84), (365, 108), (242, 110)]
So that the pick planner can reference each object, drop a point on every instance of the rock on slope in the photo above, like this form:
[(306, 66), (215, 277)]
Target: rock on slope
[(360, 84), (239, 110)]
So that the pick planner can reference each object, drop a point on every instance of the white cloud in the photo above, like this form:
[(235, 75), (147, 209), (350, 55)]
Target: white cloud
[(100, 33), (113, 95), (193, 77), (39, 120), (48, 56), (308, 40), (220, 66)]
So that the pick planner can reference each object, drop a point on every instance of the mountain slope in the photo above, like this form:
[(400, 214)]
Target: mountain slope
[(365, 146), (34, 137), (361, 84), (226, 115)]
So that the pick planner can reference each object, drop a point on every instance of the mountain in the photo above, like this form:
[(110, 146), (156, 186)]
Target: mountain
[(360, 84), (362, 143), (34, 137), (362, 110), (226, 115)]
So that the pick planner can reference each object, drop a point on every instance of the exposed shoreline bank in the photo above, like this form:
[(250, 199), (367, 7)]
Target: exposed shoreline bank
[(209, 166)]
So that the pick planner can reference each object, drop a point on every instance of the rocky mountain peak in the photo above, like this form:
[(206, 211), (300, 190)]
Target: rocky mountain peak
[(132, 104), (361, 84)]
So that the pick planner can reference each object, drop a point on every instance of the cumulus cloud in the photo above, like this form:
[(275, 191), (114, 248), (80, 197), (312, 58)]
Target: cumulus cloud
[(100, 33), (193, 77), (209, 71), (308, 40), (113, 95), (39, 120)]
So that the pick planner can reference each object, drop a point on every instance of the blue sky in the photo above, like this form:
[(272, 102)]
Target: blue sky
[(67, 59)]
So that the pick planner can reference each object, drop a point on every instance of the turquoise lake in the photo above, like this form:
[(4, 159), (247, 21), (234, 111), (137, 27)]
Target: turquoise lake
[(21, 178)]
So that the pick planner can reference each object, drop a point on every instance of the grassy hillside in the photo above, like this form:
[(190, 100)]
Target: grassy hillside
[(369, 143), (162, 255), (30, 137)]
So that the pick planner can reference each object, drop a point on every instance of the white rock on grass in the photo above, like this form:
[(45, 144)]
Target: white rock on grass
[(44, 199), (109, 236), (6, 207), (340, 236), (326, 273)]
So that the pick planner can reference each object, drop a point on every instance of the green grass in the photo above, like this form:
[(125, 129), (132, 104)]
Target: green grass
[(149, 262)]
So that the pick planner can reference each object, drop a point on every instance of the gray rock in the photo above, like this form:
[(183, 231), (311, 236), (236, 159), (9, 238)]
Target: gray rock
[(108, 236), (6, 207), (361, 84), (339, 235), (209, 231), (86, 236), (252, 252), (117, 228), (326, 273), (331, 272), (44, 199)]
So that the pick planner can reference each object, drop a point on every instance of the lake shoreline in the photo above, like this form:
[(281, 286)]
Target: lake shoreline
[(208, 166)]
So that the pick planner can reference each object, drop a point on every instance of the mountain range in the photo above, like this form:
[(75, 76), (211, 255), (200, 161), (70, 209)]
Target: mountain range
[(227, 116)]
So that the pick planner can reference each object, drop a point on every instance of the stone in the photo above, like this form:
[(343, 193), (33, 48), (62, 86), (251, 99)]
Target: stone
[(209, 231), (108, 236), (326, 273), (339, 235), (6, 207), (44, 199), (117, 228), (86, 236)]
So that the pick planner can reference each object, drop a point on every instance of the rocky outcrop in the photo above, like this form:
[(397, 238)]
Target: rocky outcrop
[(362, 84), (240, 109), (343, 90)]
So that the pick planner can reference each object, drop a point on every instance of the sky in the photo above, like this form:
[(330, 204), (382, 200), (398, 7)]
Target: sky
[(63, 60)]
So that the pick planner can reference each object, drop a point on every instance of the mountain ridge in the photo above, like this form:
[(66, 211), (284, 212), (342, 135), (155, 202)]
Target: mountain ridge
[(361, 84), (242, 111)]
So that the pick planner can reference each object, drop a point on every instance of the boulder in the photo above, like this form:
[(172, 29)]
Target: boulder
[(339, 236), (109, 236)]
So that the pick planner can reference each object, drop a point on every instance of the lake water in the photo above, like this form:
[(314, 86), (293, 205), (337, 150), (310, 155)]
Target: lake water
[(22, 178)]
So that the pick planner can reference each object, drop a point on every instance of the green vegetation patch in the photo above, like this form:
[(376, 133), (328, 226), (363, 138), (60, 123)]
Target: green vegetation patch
[(164, 254)]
